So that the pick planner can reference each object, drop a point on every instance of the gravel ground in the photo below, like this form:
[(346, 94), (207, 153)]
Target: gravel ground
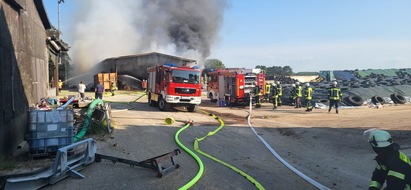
[(327, 147)]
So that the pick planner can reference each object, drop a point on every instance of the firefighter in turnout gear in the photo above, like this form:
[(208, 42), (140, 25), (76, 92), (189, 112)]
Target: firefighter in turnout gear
[(280, 92), (267, 92), (335, 97), (293, 93), (257, 95), (112, 88), (308, 96), (274, 95), (298, 95), (60, 85), (393, 166)]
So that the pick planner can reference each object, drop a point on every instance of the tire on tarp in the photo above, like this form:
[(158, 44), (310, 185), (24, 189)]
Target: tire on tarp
[(398, 98), (377, 99), (324, 101), (355, 100)]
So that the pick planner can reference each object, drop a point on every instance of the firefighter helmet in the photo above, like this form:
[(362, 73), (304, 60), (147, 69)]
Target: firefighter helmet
[(274, 85), (307, 84), (380, 138), (297, 83), (335, 83), (293, 85), (278, 82)]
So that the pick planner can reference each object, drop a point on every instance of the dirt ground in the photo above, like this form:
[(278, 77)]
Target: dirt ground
[(326, 147)]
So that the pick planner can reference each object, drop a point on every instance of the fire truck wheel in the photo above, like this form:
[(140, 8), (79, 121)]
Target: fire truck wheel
[(191, 108), (163, 105)]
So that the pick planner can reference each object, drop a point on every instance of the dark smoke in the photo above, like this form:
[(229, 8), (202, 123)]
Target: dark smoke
[(187, 28)]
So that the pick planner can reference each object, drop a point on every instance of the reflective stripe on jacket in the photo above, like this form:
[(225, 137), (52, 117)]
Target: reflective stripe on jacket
[(334, 94), (308, 93), (267, 88), (394, 168), (280, 90), (299, 92)]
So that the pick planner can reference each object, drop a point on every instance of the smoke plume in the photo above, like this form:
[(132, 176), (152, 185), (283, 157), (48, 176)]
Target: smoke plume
[(108, 28)]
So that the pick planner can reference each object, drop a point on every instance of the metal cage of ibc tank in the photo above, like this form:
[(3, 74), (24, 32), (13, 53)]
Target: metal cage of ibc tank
[(50, 130)]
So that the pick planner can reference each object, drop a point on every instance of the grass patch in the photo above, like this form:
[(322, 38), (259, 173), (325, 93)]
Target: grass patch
[(8, 166)]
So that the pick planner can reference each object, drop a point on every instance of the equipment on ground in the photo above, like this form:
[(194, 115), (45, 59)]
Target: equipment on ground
[(235, 86), (68, 165), (170, 85)]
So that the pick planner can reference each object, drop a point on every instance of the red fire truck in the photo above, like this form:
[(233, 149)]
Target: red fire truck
[(170, 85), (234, 85)]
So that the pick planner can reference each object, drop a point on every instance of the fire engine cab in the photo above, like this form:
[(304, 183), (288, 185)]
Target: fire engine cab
[(170, 85), (235, 86)]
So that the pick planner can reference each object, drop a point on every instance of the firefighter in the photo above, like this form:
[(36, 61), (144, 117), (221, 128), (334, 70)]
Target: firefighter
[(393, 166), (308, 96), (257, 95), (112, 88), (267, 92), (280, 92), (293, 93), (335, 96), (60, 85), (298, 95), (144, 85), (274, 95)]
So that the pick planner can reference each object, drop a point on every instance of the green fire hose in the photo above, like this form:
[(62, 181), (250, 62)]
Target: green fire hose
[(199, 162), (86, 123)]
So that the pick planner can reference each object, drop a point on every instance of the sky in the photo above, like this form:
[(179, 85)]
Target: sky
[(307, 35)]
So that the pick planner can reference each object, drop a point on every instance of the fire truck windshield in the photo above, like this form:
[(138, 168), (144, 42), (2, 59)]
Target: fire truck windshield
[(184, 76)]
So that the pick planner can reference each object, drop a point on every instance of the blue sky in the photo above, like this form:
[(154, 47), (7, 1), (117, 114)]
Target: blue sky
[(308, 35)]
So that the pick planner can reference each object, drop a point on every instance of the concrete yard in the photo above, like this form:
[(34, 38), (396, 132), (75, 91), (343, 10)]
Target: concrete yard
[(326, 147)]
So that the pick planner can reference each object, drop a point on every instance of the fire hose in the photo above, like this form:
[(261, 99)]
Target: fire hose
[(276, 155), (211, 133), (200, 163)]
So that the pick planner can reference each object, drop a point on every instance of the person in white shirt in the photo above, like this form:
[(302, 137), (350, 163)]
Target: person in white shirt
[(81, 90)]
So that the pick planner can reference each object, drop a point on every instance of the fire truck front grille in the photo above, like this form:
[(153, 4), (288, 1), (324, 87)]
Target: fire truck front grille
[(185, 90)]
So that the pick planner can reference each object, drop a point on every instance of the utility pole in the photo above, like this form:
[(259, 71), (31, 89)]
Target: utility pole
[(56, 65)]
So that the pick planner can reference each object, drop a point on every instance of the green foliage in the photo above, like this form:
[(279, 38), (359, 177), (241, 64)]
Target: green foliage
[(212, 64), (262, 67), (7, 165), (279, 71)]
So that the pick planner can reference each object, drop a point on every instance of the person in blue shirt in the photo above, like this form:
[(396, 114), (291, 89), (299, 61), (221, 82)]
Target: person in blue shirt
[(99, 89)]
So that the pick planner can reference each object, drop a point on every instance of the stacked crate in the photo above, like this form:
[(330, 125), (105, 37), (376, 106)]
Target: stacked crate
[(50, 130)]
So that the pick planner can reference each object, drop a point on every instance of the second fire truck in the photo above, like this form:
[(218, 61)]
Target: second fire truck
[(235, 86)]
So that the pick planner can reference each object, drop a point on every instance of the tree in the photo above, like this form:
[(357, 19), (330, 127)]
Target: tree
[(287, 71), (262, 67), (212, 64)]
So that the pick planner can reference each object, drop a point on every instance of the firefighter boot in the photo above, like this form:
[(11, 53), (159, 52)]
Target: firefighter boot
[(275, 107)]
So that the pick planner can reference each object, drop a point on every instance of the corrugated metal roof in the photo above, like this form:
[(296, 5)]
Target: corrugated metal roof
[(152, 53)]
